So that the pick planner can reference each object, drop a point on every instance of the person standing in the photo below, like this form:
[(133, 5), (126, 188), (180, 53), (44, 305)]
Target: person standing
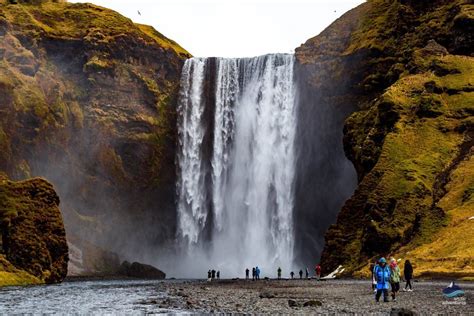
[(307, 273), (247, 274), (292, 274), (408, 273), (209, 275), (372, 273), (394, 278), (213, 274), (318, 272), (257, 273), (382, 276), (301, 274), (279, 273), (218, 274), (253, 274)]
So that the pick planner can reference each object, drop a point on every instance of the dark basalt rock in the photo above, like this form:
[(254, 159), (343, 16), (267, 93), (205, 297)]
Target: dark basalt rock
[(401, 312), (292, 303), (312, 303), (140, 271), (267, 295)]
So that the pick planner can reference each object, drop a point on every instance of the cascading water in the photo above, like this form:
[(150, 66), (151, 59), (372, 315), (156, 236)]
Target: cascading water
[(236, 163)]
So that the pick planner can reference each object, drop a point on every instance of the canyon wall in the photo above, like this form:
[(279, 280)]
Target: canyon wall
[(88, 101), (405, 69)]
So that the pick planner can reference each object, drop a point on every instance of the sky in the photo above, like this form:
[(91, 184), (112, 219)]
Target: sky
[(234, 28)]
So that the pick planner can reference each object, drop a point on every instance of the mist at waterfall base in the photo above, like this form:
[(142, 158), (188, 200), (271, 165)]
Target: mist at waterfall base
[(238, 169)]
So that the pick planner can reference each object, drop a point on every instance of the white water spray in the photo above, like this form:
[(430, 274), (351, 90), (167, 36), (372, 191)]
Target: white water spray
[(235, 189)]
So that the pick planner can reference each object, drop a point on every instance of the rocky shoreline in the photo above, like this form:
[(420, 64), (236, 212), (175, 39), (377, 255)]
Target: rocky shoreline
[(307, 297)]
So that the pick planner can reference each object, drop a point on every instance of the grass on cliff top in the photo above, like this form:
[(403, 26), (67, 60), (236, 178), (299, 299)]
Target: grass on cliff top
[(388, 25), (163, 40), (83, 20)]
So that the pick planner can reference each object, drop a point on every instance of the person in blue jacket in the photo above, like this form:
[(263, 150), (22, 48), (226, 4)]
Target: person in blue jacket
[(382, 276), (257, 273)]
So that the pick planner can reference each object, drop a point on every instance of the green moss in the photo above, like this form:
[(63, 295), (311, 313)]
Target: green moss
[(11, 276), (96, 64), (91, 22)]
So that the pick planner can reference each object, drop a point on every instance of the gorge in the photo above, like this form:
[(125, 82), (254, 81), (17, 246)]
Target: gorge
[(359, 144)]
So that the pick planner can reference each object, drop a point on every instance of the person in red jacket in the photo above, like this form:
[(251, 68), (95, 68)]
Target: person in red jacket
[(318, 271)]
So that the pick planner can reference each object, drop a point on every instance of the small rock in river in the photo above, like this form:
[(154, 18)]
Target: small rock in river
[(401, 312), (312, 303), (267, 295), (292, 303)]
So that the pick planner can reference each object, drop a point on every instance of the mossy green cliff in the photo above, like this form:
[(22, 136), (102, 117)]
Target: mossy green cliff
[(33, 247), (88, 102), (407, 66)]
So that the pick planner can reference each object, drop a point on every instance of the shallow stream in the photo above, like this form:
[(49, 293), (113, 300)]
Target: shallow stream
[(86, 297)]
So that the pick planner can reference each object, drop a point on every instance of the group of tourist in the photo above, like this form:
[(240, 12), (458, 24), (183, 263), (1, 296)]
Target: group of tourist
[(292, 274), (387, 276), (255, 273), (213, 274)]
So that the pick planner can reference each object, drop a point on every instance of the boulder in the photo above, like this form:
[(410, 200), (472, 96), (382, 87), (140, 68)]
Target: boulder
[(140, 271), (32, 230), (292, 303), (313, 303), (401, 312), (267, 295)]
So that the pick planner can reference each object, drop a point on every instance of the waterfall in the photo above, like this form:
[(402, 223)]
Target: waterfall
[(236, 163)]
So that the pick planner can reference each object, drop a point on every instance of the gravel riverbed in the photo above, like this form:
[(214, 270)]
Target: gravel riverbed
[(310, 297)]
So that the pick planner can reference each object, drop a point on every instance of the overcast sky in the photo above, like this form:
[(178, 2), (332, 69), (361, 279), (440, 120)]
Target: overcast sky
[(234, 28)]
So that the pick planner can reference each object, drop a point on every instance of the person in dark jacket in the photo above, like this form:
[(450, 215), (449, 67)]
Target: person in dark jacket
[(382, 276), (209, 275), (307, 273), (292, 274), (213, 273), (408, 273), (218, 275), (301, 274), (247, 271), (279, 273)]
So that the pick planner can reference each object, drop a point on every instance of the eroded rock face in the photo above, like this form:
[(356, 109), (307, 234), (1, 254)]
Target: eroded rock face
[(88, 102), (405, 67), (33, 235)]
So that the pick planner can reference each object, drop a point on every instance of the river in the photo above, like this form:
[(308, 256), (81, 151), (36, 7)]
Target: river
[(86, 297)]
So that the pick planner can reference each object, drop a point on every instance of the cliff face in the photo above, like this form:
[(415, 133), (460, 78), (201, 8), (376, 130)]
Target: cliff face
[(407, 66), (33, 246), (88, 102)]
